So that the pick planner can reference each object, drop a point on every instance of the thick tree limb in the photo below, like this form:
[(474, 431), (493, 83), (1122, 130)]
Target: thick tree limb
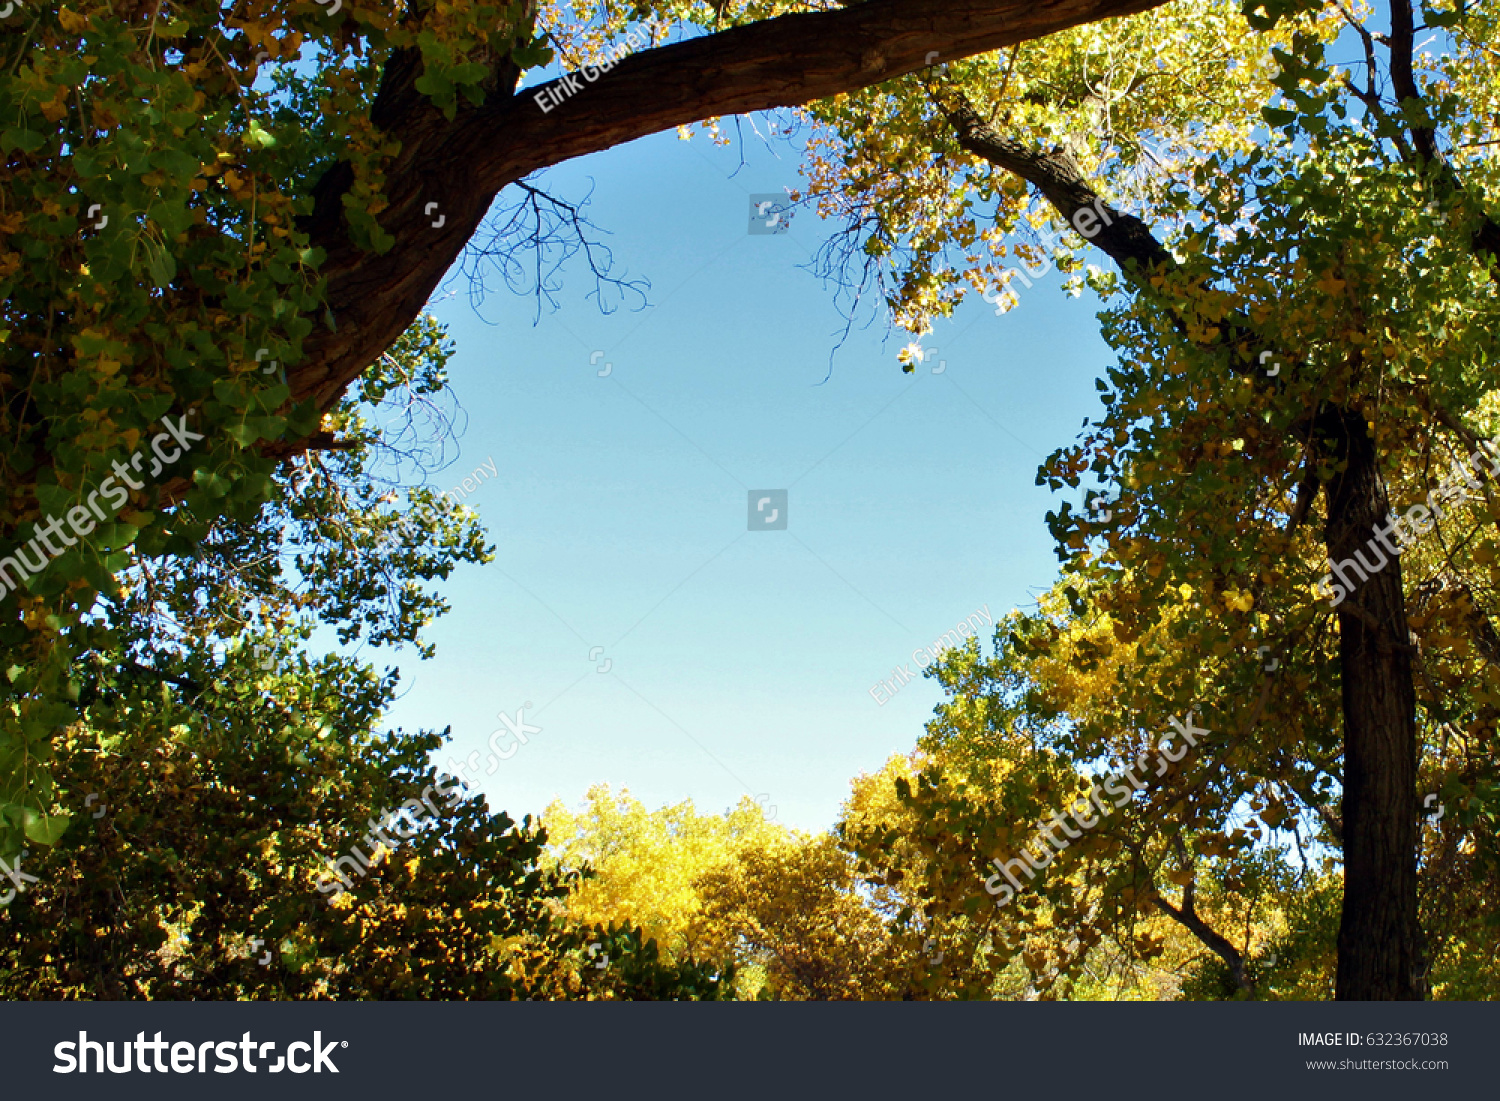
[(461, 165), (1126, 239), (1404, 81), (1425, 151)]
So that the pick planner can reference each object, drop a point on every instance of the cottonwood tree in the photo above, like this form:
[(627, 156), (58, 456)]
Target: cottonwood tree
[(179, 242), (233, 834), (201, 865), (779, 909), (1078, 916), (1307, 265)]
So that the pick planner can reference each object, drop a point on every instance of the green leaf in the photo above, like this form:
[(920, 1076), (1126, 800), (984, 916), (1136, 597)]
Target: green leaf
[(113, 537), (259, 137), (28, 141), (45, 829), (161, 265), (214, 485)]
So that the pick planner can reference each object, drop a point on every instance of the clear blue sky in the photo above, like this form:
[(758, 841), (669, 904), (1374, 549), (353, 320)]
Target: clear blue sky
[(739, 663)]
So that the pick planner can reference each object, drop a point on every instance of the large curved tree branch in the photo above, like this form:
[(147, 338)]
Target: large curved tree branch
[(463, 163)]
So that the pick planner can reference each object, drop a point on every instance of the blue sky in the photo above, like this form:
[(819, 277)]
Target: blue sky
[(739, 663)]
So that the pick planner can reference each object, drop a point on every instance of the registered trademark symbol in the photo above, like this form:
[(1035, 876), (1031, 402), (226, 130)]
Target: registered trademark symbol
[(343, 1043)]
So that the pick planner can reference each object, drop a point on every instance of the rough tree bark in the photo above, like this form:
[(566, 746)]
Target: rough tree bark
[(1380, 954)]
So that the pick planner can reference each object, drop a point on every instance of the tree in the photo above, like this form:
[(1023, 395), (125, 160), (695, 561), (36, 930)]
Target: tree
[(792, 909), (778, 908), (209, 873), (1309, 313), (192, 279), (243, 828), (1077, 870)]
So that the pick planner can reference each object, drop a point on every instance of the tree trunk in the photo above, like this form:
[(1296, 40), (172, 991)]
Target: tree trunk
[(1380, 941)]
